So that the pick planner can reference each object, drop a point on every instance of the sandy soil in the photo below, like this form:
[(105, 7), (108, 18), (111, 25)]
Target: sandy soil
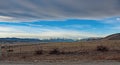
[(63, 63)]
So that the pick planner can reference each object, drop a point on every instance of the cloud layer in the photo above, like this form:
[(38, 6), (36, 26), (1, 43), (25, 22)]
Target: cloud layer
[(42, 33), (29, 10)]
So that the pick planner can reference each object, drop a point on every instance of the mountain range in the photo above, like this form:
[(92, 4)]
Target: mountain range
[(11, 40)]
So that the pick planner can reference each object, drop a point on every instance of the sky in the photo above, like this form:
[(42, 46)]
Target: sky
[(71, 19)]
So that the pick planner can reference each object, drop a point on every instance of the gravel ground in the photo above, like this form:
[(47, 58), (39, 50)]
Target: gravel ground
[(63, 63)]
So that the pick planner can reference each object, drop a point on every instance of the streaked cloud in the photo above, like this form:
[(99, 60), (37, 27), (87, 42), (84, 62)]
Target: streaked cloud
[(6, 29), (43, 32), (78, 26), (112, 20), (6, 18), (31, 10), (72, 29)]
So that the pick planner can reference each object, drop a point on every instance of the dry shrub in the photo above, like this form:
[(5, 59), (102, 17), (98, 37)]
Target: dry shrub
[(24, 57), (38, 52), (102, 48), (2, 47), (55, 51), (10, 50)]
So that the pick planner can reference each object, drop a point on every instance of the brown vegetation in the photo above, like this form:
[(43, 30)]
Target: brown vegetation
[(38, 52), (102, 48), (93, 50)]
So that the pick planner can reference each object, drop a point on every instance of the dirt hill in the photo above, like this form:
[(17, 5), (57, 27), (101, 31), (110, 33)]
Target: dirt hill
[(113, 37)]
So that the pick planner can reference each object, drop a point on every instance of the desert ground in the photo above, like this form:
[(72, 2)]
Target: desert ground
[(63, 63), (68, 51)]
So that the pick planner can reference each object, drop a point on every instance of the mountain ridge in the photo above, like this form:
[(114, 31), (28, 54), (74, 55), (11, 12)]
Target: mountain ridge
[(113, 37), (10, 40)]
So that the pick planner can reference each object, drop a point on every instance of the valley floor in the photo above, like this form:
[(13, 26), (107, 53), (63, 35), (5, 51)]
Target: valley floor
[(53, 52)]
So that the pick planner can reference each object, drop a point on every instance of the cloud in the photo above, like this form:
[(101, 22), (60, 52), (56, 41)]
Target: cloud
[(43, 32), (115, 28), (30, 10), (112, 20), (78, 26), (6, 29), (6, 18), (50, 34)]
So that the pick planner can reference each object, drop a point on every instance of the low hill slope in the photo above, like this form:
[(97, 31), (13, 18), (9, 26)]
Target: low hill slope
[(113, 37)]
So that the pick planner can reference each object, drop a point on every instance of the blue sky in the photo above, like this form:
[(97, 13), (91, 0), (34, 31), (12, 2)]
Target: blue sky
[(46, 19), (70, 28)]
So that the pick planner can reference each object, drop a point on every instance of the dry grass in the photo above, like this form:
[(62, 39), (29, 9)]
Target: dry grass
[(96, 50)]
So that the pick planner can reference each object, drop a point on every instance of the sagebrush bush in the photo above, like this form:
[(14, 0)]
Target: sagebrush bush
[(10, 50), (55, 51), (102, 48), (38, 52)]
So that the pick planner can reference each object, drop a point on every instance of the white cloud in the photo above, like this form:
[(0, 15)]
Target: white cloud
[(6, 18), (6, 29), (116, 27), (118, 19), (112, 20), (49, 35), (43, 33), (79, 26)]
